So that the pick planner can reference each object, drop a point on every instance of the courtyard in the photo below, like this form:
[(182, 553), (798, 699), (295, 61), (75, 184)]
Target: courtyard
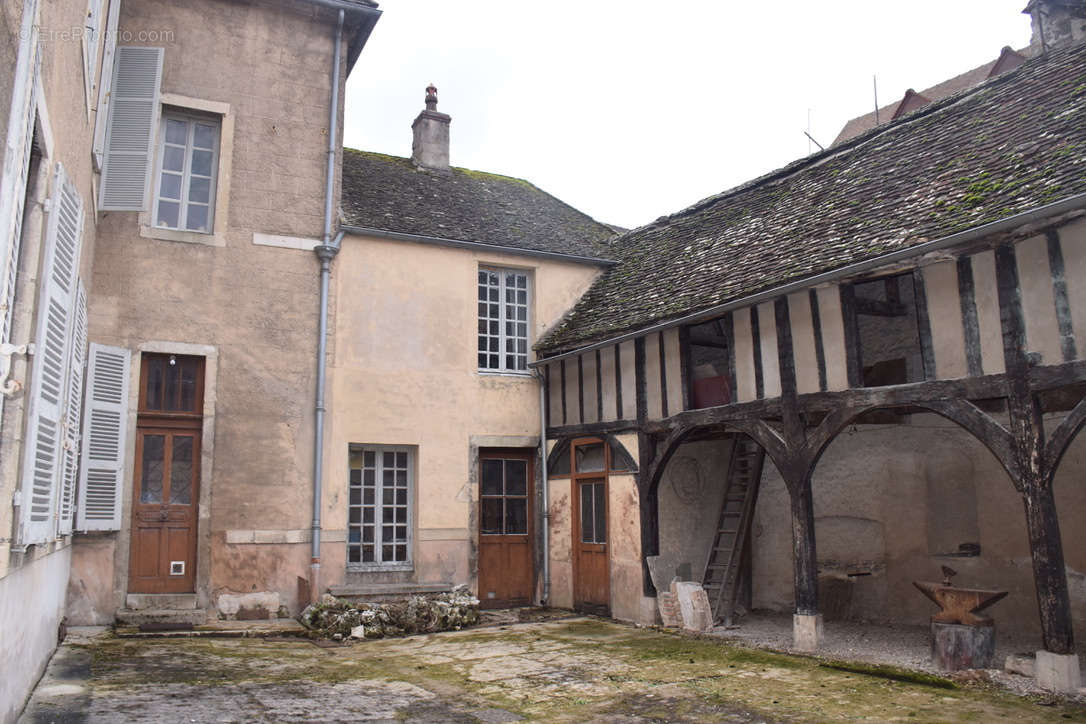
[(567, 670)]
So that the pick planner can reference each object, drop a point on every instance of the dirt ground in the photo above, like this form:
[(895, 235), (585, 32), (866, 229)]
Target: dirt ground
[(572, 670)]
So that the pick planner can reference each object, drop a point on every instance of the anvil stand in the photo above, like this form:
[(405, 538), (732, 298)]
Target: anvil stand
[(960, 637)]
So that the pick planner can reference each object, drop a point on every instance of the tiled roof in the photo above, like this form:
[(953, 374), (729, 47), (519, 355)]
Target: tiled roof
[(390, 194), (1007, 60), (1016, 142)]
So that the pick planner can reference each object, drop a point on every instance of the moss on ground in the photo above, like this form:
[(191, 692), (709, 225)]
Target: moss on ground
[(575, 670)]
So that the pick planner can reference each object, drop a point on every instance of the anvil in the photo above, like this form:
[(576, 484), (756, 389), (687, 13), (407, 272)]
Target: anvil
[(959, 605)]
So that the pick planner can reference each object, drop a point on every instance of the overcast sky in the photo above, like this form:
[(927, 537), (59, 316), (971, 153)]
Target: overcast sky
[(630, 110)]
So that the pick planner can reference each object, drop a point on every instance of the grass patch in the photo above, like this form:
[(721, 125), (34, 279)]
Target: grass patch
[(890, 672)]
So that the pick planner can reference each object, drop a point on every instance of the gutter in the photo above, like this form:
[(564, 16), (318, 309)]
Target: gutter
[(326, 252), (1072, 203), (368, 16), (476, 245), (545, 483)]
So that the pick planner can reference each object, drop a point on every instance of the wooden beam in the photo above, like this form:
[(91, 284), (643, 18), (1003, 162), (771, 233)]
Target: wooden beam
[(580, 387), (820, 350), (756, 340), (618, 381), (648, 506), (599, 387), (565, 416), (686, 374), (661, 347), (853, 357), (592, 429), (703, 339), (923, 324), (1059, 295), (639, 380), (970, 324), (728, 327)]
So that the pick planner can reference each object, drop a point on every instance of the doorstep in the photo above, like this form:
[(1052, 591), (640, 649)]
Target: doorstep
[(276, 627)]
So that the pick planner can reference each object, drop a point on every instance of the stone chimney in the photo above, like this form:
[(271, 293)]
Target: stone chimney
[(1056, 24), (430, 147)]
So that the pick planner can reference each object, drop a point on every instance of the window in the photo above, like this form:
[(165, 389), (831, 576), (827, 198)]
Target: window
[(187, 163), (504, 496), (503, 320), (379, 507)]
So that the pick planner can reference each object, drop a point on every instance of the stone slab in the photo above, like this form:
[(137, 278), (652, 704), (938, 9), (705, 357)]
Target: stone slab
[(693, 605), (807, 632), (1058, 672)]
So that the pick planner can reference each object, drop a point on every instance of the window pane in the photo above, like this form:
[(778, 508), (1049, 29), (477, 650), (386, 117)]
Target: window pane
[(401, 460), (401, 514), (152, 472), (600, 506), (354, 555), (367, 496), (196, 218), (387, 514), (516, 516), (589, 458), (173, 159), (176, 131), (388, 553), (367, 534), (154, 383), (167, 214), (170, 188), (171, 395), (201, 162), (367, 515), (492, 477), (367, 554), (199, 189), (587, 517), (370, 458), (203, 136), (189, 370), (401, 497), (388, 496), (181, 471), (516, 477), (356, 494), (492, 516), (401, 553), (354, 515)]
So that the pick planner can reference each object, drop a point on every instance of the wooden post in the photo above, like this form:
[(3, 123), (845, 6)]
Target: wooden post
[(805, 561), (1035, 483)]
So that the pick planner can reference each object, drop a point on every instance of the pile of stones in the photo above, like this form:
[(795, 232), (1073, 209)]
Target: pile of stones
[(339, 619)]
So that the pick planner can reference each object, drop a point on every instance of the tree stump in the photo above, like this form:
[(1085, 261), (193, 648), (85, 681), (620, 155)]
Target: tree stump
[(955, 646)]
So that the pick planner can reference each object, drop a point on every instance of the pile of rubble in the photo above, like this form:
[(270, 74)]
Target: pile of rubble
[(339, 619)]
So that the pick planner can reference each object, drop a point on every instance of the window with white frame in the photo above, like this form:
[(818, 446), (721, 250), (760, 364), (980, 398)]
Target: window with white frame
[(503, 320), (379, 510), (188, 158)]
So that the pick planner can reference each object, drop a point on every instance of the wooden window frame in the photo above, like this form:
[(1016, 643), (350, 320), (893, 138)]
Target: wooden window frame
[(502, 336), (378, 507), (191, 118), (528, 457)]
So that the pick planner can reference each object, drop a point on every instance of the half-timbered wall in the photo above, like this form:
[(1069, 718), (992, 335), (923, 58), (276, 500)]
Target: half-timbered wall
[(951, 321)]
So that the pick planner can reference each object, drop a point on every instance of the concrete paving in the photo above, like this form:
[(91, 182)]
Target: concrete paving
[(573, 670)]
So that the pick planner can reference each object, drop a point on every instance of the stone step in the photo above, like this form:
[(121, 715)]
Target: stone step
[(182, 616), (386, 591), (167, 601), (223, 629)]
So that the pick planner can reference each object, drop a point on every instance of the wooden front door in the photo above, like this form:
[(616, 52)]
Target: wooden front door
[(506, 553), (165, 497), (591, 564)]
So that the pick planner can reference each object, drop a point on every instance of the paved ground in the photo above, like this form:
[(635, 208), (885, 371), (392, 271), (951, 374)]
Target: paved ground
[(575, 670)]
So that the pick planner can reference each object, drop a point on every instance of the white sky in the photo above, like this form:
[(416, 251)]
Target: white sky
[(629, 110)]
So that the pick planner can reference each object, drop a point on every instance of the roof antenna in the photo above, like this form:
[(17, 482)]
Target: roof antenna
[(875, 85)]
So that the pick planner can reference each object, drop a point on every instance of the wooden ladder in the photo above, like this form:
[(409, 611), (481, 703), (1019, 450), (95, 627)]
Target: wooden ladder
[(725, 559)]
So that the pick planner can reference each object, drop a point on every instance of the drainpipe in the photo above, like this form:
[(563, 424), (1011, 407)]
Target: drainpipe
[(326, 252), (538, 374)]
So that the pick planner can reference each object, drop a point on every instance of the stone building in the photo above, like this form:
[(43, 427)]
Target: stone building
[(265, 367)]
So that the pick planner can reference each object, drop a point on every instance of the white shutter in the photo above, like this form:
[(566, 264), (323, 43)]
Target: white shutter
[(92, 34), (105, 88), (13, 178), (44, 437), (130, 134), (104, 439), (73, 411)]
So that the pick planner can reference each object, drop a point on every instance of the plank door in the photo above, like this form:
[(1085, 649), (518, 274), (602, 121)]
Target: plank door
[(591, 558), (166, 490), (506, 552)]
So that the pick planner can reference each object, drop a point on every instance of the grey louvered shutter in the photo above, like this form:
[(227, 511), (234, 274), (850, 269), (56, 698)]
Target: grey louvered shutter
[(73, 411), (105, 430), (130, 133), (42, 462)]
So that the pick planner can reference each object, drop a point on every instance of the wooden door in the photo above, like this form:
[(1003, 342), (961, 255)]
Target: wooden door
[(506, 552), (166, 490), (591, 560)]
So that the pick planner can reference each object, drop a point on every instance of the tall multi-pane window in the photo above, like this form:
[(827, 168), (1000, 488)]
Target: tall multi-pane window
[(503, 320), (187, 165), (379, 506)]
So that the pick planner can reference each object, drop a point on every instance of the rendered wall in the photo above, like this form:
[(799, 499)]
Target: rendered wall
[(405, 372), (253, 308)]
